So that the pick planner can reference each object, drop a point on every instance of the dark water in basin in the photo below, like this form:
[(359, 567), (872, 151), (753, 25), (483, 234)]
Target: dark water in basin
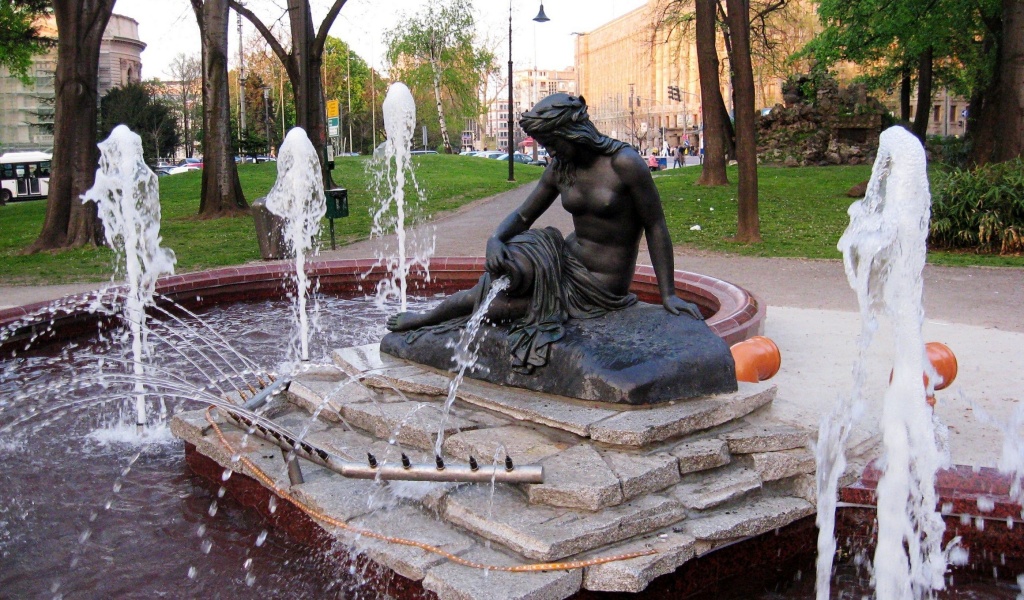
[(57, 536)]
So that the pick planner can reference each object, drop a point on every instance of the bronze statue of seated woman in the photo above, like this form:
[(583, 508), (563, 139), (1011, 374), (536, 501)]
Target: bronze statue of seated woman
[(608, 189)]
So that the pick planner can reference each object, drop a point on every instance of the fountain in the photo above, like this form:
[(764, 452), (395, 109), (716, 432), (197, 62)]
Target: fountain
[(127, 198), (627, 495), (392, 170)]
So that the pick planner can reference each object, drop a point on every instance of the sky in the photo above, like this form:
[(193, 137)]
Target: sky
[(168, 27)]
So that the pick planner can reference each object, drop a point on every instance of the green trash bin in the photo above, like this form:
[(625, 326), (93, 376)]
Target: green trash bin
[(337, 207)]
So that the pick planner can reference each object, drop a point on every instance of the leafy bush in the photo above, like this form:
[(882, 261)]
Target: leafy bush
[(981, 209), (949, 150)]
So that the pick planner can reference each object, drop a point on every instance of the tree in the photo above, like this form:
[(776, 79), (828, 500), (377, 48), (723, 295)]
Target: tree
[(748, 228), (221, 189), (996, 118), (20, 38), (927, 42), (134, 105), (69, 222), (713, 115), (434, 49), (303, 64), (187, 72)]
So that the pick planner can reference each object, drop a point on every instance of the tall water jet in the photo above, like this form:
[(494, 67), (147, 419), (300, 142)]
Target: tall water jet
[(298, 198), (394, 164), (884, 254), (127, 197)]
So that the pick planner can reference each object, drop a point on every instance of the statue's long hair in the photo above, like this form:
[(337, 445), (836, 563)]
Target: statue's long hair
[(565, 116)]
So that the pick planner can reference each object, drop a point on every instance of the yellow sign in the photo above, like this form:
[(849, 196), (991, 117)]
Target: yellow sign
[(332, 108)]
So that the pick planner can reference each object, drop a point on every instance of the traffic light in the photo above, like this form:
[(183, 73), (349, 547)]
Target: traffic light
[(673, 93)]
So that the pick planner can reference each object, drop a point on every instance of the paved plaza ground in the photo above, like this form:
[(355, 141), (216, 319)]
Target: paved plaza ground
[(812, 316)]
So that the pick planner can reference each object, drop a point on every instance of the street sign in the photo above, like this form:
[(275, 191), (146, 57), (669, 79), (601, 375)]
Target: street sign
[(333, 125), (332, 109)]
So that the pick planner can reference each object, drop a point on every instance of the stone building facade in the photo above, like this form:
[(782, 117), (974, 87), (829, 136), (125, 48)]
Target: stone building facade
[(625, 68), (25, 110)]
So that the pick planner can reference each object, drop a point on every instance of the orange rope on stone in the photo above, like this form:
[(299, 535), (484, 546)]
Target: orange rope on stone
[(269, 482)]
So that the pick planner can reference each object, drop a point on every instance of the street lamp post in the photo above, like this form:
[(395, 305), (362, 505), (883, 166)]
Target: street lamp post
[(540, 18)]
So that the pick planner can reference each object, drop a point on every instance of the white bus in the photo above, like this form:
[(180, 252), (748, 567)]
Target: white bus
[(24, 175)]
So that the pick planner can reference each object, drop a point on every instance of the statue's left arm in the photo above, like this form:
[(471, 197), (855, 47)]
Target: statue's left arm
[(637, 178)]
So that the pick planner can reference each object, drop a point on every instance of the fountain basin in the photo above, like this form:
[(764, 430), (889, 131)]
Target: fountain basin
[(733, 313)]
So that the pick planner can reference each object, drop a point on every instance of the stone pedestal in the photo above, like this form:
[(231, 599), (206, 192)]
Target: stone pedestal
[(638, 356)]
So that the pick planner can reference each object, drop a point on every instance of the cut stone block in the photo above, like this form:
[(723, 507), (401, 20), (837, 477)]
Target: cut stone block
[(386, 372), (191, 426), (701, 455), (786, 463), (640, 355), (451, 581), (337, 496), (749, 519), (545, 409), (577, 478), (409, 523), (707, 489), (766, 438), (524, 445), (325, 398), (635, 574), (642, 427), (413, 423), (549, 533), (801, 486), (353, 446), (642, 473)]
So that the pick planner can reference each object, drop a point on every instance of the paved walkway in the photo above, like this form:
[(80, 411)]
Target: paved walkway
[(812, 317)]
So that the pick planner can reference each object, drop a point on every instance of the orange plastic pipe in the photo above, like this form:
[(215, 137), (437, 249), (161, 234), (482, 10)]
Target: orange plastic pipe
[(944, 362), (757, 359)]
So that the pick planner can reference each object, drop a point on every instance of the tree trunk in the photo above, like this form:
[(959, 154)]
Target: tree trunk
[(1009, 144), (303, 67), (905, 96), (924, 96), (221, 190), (748, 226), (713, 168), (310, 108), (440, 114), (69, 222)]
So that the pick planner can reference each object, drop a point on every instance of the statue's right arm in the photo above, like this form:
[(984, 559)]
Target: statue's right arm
[(519, 220)]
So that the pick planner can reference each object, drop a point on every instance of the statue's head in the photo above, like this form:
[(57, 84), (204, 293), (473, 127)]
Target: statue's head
[(563, 117)]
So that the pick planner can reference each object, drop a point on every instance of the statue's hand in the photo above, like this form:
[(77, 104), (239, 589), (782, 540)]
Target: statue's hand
[(497, 256), (677, 305)]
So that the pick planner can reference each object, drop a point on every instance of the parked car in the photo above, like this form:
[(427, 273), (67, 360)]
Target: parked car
[(418, 152), (179, 170), (196, 163), (161, 171), (489, 154), (519, 157)]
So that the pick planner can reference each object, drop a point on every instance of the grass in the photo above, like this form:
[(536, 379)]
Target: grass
[(447, 181), (803, 213)]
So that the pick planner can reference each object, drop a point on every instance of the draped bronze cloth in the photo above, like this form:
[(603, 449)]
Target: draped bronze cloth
[(562, 288)]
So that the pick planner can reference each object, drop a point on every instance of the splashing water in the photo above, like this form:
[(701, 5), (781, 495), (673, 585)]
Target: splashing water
[(392, 166), (127, 197), (298, 198), (884, 254), (467, 351)]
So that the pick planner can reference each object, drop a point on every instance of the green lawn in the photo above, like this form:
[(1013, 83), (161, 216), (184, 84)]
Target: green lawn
[(802, 210), (803, 213), (448, 182)]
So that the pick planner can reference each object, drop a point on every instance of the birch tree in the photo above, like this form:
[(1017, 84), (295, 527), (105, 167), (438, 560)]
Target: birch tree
[(435, 50)]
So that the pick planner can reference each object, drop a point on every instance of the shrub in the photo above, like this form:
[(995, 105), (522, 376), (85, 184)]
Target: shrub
[(981, 209), (949, 150)]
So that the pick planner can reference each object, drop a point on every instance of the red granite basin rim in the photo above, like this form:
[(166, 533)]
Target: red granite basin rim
[(732, 312)]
